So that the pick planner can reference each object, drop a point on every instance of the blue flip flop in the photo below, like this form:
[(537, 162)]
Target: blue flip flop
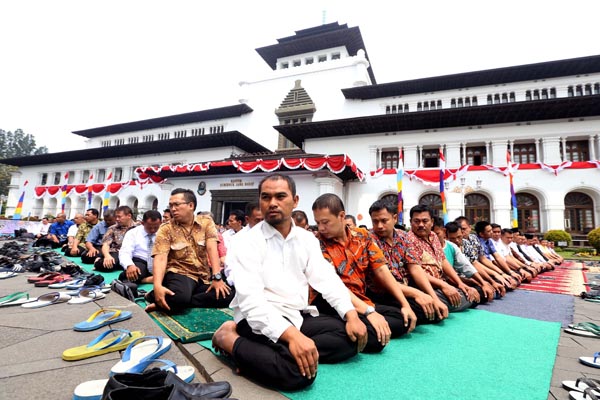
[(135, 358), (100, 318)]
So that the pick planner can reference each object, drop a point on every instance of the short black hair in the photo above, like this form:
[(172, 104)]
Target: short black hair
[(299, 216), (480, 226), (383, 205), (419, 208), (167, 211), (452, 227), (461, 219), (93, 211), (124, 209), (239, 215), (276, 177), (507, 230), (495, 225), (151, 215), (188, 195), (439, 222), (330, 201), (348, 216), (250, 207)]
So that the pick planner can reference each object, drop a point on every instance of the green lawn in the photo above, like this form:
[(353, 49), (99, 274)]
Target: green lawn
[(583, 255)]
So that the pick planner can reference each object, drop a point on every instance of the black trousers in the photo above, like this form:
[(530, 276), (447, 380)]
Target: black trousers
[(464, 303), (389, 300), (189, 293), (392, 315), (272, 364), (98, 266), (69, 253), (142, 265), (89, 259)]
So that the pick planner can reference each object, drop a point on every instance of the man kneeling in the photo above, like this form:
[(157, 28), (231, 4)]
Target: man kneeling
[(275, 338)]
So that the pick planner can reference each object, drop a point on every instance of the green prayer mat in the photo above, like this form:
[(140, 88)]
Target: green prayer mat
[(472, 355), (193, 324)]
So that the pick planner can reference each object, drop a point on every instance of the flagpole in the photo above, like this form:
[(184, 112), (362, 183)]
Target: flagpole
[(19, 209), (442, 188), (513, 196), (399, 175)]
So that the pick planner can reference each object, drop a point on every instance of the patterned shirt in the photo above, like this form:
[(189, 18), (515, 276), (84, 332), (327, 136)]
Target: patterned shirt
[(83, 231), (354, 261), (472, 248), (186, 250), (115, 234), (429, 253), (398, 254)]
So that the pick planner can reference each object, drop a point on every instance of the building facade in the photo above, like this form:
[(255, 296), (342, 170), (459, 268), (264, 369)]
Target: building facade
[(321, 116)]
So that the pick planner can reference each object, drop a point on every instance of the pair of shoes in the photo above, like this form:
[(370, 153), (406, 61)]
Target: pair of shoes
[(161, 384), (583, 389)]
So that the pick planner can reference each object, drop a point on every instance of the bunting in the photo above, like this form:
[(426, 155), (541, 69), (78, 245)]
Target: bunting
[(90, 193), (514, 220), (442, 192), (399, 175), (19, 209), (63, 199), (106, 193)]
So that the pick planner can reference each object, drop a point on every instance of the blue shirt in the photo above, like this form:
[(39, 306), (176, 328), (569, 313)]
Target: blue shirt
[(97, 233), (488, 247), (60, 230)]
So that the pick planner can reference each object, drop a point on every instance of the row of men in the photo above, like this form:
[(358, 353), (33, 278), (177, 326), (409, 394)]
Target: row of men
[(299, 298)]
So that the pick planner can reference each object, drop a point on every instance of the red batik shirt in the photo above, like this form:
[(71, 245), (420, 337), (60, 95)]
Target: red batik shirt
[(398, 254), (359, 257), (430, 254)]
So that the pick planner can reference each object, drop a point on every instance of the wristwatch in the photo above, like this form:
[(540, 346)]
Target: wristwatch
[(369, 310), (216, 277)]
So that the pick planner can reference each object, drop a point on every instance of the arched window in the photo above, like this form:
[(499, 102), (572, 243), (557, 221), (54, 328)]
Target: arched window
[(579, 212), (477, 208), (433, 201), (528, 208)]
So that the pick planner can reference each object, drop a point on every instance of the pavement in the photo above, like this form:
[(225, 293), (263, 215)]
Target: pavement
[(32, 341)]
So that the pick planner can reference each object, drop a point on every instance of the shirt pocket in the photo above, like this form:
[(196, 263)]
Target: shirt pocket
[(179, 250)]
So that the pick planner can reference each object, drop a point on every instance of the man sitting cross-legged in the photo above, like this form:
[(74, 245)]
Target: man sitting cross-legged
[(182, 275), (108, 259), (275, 338), (356, 258), (93, 241), (449, 288), (403, 265), (135, 254), (78, 245)]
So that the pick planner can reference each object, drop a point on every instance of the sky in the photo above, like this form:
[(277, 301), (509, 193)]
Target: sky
[(68, 65)]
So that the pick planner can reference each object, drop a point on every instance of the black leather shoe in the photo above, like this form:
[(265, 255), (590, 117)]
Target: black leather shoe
[(142, 393), (156, 378)]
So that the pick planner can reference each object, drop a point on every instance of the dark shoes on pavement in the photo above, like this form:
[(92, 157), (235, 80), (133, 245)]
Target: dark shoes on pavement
[(158, 384)]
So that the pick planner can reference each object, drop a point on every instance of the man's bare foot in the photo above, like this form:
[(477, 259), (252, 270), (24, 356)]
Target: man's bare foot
[(225, 337)]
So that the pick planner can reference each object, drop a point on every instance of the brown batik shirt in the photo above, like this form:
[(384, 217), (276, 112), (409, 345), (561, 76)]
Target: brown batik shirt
[(114, 236), (186, 250)]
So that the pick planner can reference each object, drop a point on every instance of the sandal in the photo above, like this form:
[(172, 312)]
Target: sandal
[(138, 353), (100, 318), (581, 384), (15, 299), (591, 361), (586, 329), (100, 345)]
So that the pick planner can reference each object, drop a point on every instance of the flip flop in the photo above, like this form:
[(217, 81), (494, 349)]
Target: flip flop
[(587, 394), (100, 345), (139, 352), (15, 299), (7, 274), (93, 390), (41, 277), (47, 299), (75, 292), (51, 280), (66, 284), (591, 361), (581, 384), (100, 318), (87, 296), (75, 283), (586, 329)]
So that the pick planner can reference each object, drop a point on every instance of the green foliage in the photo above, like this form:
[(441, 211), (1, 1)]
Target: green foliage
[(15, 144), (594, 238), (558, 236)]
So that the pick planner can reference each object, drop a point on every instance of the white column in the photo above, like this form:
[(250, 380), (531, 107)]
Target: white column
[(463, 156), (411, 159), (420, 156), (551, 146), (453, 155), (488, 153), (511, 143), (373, 158), (499, 152), (564, 149), (329, 184), (537, 150), (592, 148)]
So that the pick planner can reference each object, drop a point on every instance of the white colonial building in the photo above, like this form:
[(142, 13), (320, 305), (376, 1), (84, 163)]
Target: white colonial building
[(320, 116)]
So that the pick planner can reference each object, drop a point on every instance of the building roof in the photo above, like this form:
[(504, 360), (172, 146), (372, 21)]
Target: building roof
[(168, 121), (519, 73), (215, 140), (315, 39), (519, 112)]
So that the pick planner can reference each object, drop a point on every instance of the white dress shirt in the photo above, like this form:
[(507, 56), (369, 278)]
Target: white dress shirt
[(135, 244), (72, 230), (272, 275), (501, 248)]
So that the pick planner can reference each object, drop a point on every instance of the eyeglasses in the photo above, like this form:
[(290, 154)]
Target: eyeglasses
[(175, 205)]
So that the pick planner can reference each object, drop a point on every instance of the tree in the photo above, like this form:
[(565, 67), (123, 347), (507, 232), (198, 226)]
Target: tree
[(15, 144)]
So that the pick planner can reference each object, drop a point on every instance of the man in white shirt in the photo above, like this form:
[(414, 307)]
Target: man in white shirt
[(276, 338), (72, 232), (135, 255), (236, 222)]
